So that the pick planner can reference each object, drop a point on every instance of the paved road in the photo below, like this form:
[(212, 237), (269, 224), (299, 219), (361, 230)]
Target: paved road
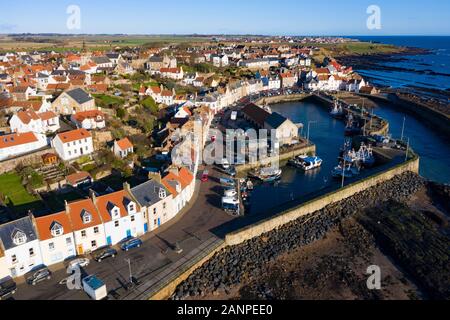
[(190, 230)]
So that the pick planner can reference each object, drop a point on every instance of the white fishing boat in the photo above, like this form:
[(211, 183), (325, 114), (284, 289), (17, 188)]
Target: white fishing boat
[(337, 111), (307, 163), (267, 174)]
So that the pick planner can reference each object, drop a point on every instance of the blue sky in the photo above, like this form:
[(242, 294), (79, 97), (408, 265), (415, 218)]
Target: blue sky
[(285, 17)]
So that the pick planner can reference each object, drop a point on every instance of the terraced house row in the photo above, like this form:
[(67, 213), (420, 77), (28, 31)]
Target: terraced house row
[(91, 223)]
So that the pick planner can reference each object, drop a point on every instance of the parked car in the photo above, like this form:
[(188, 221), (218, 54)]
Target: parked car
[(38, 275), (205, 176), (79, 262), (104, 253), (131, 244), (7, 288)]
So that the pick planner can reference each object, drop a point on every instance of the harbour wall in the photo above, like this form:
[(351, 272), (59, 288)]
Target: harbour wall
[(273, 223), (284, 156), (432, 118), (281, 99)]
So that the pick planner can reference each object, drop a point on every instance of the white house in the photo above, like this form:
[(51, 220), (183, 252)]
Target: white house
[(21, 248), (181, 185), (220, 60), (56, 238), (30, 121), (73, 144), (89, 120), (172, 73), (122, 148), (88, 229), (156, 203), (16, 144), (121, 216)]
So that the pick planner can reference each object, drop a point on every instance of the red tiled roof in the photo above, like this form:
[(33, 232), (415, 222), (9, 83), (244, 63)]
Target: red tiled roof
[(16, 139), (74, 135), (44, 225)]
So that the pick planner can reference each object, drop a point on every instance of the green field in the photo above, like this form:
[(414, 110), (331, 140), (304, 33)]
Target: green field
[(104, 100), (12, 188)]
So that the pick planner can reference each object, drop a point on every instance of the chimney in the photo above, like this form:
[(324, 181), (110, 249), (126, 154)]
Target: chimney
[(174, 170), (92, 196), (156, 176), (126, 187)]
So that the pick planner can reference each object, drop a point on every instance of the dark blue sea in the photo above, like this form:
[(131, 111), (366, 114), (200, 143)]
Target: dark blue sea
[(437, 61)]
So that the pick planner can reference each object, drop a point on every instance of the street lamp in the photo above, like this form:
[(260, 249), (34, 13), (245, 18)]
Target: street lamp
[(129, 268), (309, 125)]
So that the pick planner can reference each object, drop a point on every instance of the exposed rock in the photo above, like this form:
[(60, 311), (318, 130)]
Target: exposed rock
[(249, 259)]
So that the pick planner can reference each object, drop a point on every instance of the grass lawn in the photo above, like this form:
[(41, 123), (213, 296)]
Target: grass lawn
[(11, 186), (107, 100)]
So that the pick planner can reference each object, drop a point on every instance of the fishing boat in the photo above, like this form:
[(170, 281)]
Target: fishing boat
[(340, 171), (337, 112), (306, 163), (267, 174), (229, 193), (352, 127), (366, 156)]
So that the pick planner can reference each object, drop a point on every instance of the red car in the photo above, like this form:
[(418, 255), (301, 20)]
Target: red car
[(205, 176)]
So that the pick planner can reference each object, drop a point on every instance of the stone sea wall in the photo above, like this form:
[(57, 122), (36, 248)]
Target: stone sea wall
[(234, 263)]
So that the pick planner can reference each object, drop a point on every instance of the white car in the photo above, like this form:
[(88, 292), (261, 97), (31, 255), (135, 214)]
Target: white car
[(79, 262)]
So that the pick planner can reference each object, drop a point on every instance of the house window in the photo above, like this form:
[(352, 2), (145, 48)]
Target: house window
[(70, 153), (93, 243), (83, 233), (116, 223), (51, 246), (132, 218), (131, 207), (68, 241), (31, 251), (56, 230), (96, 230), (87, 218), (20, 238), (162, 193), (14, 259), (164, 205), (154, 222), (154, 211)]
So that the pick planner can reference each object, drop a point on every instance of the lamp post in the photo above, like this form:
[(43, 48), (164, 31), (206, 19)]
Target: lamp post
[(343, 174), (403, 128), (129, 268), (309, 125)]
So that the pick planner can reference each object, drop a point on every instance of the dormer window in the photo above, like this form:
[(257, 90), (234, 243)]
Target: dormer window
[(56, 229), (19, 237), (162, 193), (86, 217), (113, 210)]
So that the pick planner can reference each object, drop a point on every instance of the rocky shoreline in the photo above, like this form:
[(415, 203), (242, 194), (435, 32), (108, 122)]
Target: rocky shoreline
[(233, 265)]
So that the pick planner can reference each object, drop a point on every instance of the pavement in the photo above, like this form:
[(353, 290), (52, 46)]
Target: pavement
[(195, 231)]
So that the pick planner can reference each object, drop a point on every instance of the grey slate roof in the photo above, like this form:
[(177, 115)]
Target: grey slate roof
[(101, 60), (9, 229), (275, 120), (79, 95), (147, 194)]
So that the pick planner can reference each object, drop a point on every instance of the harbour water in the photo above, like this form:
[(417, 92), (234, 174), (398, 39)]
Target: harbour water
[(328, 135)]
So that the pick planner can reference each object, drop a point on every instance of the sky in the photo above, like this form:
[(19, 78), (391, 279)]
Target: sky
[(267, 17)]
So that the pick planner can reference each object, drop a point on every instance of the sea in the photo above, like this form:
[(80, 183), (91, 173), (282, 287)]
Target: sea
[(438, 61)]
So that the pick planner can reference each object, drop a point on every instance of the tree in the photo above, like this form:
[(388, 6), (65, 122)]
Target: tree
[(121, 113), (151, 105)]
